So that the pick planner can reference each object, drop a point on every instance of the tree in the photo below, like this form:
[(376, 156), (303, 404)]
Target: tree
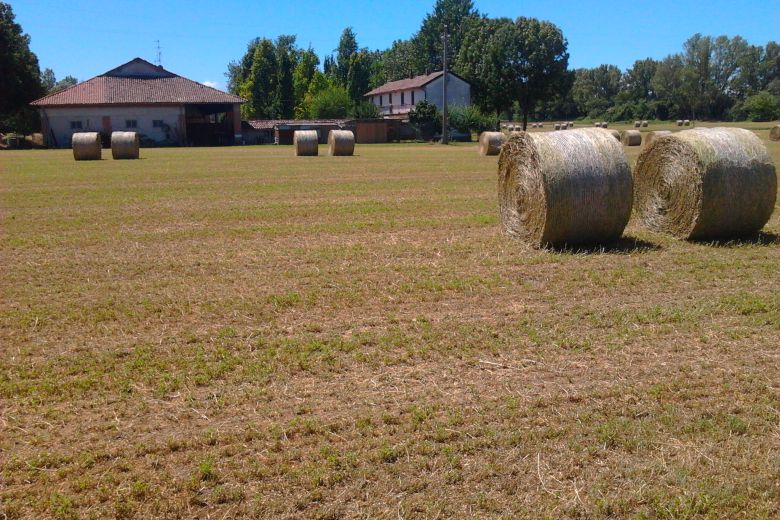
[(401, 60), (303, 74), (48, 80), (359, 76), (347, 47), (66, 82), (523, 61), (260, 86), (20, 79), (285, 59), (762, 107), (455, 15), (425, 116), (331, 103)]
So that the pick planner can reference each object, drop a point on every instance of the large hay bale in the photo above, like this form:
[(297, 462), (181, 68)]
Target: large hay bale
[(87, 146), (631, 137), (637, 124), (125, 145), (614, 133), (705, 183), (655, 134), (305, 142), (679, 122), (490, 143), (557, 126), (774, 133), (645, 123), (564, 187), (687, 122), (341, 142)]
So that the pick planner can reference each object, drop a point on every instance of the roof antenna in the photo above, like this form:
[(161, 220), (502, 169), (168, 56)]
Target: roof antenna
[(159, 54)]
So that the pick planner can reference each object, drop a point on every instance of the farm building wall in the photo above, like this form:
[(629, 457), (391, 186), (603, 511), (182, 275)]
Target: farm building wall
[(458, 92), (400, 102), (58, 127)]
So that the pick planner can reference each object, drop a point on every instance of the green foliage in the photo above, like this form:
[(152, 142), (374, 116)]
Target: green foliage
[(358, 75), (331, 103), (20, 79), (347, 48), (426, 118), (762, 107), (471, 119), (365, 110)]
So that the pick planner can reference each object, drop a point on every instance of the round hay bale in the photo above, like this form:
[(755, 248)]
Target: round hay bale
[(87, 146), (705, 183), (341, 142), (655, 134), (305, 142), (557, 126), (774, 133), (614, 133), (645, 123), (125, 145), (631, 137), (571, 124), (541, 125), (679, 122), (604, 124), (490, 143), (564, 187), (637, 124), (687, 122)]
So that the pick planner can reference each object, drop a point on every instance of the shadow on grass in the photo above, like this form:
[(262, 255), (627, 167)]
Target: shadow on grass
[(622, 246), (762, 238)]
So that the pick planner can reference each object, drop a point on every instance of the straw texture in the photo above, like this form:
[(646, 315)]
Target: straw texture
[(614, 133), (305, 142), (705, 183), (564, 187), (655, 134), (125, 145), (87, 146), (631, 138), (341, 142), (490, 143), (774, 133)]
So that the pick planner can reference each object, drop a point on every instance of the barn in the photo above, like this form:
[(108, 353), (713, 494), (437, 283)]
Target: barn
[(164, 108)]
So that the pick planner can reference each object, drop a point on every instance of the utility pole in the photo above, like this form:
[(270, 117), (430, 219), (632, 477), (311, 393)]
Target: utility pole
[(445, 134), (159, 53)]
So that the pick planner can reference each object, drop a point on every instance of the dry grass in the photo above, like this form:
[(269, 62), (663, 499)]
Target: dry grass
[(240, 332)]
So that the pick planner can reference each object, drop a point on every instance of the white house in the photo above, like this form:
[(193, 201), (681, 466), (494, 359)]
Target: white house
[(397, 98), (138, 96)]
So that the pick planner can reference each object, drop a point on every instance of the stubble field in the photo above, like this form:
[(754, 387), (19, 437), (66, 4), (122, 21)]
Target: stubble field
[(233, 332)]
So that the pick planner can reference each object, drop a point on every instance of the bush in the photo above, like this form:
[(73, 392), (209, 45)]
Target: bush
[(365, 110), (469, 119), (762, 107), (426, 119), (331, 103)]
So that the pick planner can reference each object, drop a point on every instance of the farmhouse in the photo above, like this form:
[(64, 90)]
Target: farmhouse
[(397, 98), (162, 107)]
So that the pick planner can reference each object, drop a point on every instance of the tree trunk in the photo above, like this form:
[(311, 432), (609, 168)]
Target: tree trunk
[(525, 118)]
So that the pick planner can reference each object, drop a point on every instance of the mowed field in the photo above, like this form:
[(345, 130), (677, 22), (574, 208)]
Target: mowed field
[(237, 332)]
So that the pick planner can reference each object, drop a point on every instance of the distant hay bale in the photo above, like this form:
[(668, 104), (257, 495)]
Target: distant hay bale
[(631, 137), (490, 143), (655, 134), (125, 145), (679, 122), (705, 183), (541, 125), (637, 124), (687, 122), (604, 124), (571, 124), (341, 142), (305, 142), (645, 123), (774, 133), (87, 146), (557, 126), (564, 187), (597, 125)]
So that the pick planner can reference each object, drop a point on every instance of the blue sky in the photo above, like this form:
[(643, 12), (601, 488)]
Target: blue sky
[(199, 37)]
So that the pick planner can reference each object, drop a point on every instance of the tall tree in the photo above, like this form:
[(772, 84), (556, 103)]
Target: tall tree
[(20, 79), (359, 76), (285, 59), (347, 47), (455, 15), (260, 86), (303, 74)]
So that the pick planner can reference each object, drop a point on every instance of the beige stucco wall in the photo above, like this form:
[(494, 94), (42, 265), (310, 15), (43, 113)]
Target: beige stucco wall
[(59, 118)]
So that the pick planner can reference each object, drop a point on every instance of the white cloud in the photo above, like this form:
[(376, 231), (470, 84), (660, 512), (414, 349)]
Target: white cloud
[(212, 84)]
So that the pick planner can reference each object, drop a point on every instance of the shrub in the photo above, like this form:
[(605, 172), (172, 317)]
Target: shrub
[(762, 107), (426, 119)]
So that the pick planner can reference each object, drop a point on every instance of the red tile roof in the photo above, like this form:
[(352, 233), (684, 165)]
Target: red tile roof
[(126, 89), (405, 84)]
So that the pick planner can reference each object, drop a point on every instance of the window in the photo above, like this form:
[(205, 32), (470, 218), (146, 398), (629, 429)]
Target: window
[(157, 123), (380, 100), (131, 123), (75, 125), (402, 98), (412, 97), (390, 98)]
